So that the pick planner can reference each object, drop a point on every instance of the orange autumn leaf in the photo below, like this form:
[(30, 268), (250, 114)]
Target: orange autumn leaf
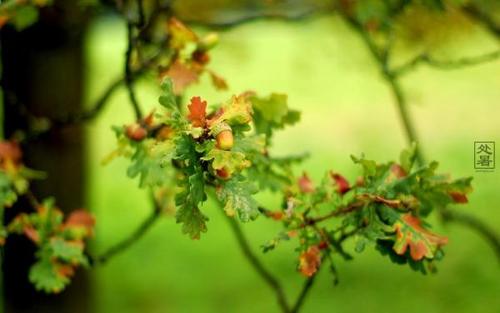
[(180, 33), (182, 76), (10, 152), (305, 184), (458, 197), (410, 233), (309, 261), (398, 171), (80, 218), (197, 112)]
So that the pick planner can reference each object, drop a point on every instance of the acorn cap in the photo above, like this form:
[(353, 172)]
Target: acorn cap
[(219, 127)]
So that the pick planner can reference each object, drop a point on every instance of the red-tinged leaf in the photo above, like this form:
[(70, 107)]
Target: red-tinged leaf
[(180, 34), (149, 119), (201, 57), (341, 182), (135, 132), (164, 133), (458, 197), (323, 245), (398, 171), (276, 215), (80, 218), (197, 112), (3, 20), (9, 150), (32, 234), (309, 261), (410, 233), (65, 270), (182, 76), (305, 184)]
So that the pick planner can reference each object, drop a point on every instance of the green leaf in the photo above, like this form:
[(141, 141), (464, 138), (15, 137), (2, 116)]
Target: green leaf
[(167, 99), (192, 220), (236, 194), (150, 162), (71, 252), (44, 275), (25, 16), (193, 185), (272, 112), (231, 161)]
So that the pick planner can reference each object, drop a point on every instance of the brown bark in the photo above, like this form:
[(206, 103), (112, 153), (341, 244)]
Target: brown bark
[(43, 71)]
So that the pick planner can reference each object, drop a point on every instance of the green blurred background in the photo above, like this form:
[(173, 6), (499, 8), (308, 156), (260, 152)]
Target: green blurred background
[(347, 109)]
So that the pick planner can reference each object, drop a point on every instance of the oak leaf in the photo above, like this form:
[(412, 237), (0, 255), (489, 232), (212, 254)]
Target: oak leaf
[(410, 233), (197, 112), (309, 261)]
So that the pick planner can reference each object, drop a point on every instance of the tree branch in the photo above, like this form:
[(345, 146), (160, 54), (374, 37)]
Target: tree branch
[(381, 57), (445, 65), (303, 293), (128, 72), (222, 25), (258, 266), (475, 224), (483, 18), (131, 239), (411, 134)]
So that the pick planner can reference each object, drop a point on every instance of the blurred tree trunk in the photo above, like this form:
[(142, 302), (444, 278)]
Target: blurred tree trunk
[(43, 68)]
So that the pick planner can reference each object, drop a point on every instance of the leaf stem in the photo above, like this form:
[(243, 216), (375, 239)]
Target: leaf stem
[(125, 243), (258, 266)]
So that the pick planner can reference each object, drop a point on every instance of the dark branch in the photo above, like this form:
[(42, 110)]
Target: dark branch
[(128, 72), (381, 57), (131, 239), (411, 134), (303, 293), (258, 266), (140, 10), (96, 109), (483, 18), (446, 65), (222, 25)]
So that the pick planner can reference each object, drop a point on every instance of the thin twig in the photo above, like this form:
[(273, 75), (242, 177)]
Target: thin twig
[(128, 72), (258, 266), (474, 223), (223, 25), (391, 79), (445, 65), (140, 10), (137, 234), (487, 21), (303, 293)]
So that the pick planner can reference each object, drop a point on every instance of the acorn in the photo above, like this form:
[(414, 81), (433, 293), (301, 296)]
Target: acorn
[(223, 173), (223, 136), (208, 42), (136, 132)]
